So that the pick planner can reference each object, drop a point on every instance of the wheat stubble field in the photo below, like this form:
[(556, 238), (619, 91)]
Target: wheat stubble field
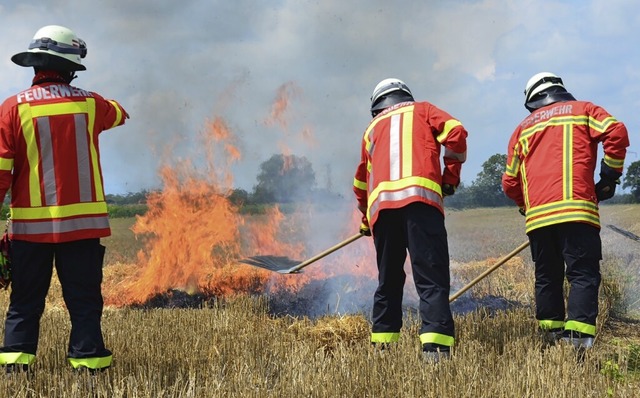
[(237, 347)]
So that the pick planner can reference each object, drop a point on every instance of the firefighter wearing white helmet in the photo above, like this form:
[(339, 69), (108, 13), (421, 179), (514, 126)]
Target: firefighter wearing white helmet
[(58, 208), (544, 88), (389, 92), (54, 47), (551, 160), (399, 186)]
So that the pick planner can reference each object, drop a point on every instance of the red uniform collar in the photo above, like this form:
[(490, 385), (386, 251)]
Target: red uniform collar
[(48, 76)]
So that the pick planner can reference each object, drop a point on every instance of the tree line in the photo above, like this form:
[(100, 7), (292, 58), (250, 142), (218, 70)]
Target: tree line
[(288, 179)]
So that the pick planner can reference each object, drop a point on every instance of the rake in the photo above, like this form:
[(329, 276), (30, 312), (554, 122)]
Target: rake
[(285, 265)]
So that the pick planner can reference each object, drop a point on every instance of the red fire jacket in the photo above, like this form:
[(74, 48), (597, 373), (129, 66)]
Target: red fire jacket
[(400, 158), (49, 157), (551, 161)]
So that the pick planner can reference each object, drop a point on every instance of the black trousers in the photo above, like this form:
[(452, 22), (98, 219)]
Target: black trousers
[(419, 228), (79, 268), (578, 246)]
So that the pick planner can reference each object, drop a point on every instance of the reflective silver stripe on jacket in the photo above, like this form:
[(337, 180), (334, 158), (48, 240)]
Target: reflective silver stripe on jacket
[(58, 226), (394, 196)]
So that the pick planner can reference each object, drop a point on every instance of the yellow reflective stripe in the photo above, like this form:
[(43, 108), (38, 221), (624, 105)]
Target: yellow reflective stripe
[(367, 141), (562, 205), (549, 324), (48, 212), (403, 109), (360, 184), (29, 133), (6, 164), (386, 337), (574, 216), (375, 121), (407, 144), (7, 358), (97, 178), (525, 186), (613, 162), (601, 126), (448, 126), (525, 147), (91, 363), (404, 183), (437, 338), (580, 327), (512, 168), (554, 121), (567, 162), (118, 113), (62, 108)]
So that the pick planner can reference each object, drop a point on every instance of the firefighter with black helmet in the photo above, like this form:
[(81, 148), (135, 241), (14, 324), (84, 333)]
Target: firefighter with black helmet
[(399, 186), (50, 160), (551, 161)]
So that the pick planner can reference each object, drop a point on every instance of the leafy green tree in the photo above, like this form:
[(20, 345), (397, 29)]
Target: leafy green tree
[(239, 197), (128, 199), (284, 179), (461, 199), (486, 189), (632, 179)]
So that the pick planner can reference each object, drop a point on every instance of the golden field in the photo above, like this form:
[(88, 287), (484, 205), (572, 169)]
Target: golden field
[(236, 347)]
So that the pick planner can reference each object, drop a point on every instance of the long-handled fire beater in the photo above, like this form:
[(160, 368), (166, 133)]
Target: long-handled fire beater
[(488, 271), (284, 265)]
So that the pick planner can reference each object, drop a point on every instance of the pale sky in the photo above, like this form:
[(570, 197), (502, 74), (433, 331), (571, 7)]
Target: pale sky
[(175, 65)]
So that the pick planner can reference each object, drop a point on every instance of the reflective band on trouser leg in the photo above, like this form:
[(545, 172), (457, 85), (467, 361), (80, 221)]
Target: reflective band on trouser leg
[(91, 363), (580, 327), (8, 358), (437, 338), (385, 337), (550, 324)]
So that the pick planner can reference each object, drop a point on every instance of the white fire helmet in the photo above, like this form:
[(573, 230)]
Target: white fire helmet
[(540, 82), (385, 87), (56, 46)]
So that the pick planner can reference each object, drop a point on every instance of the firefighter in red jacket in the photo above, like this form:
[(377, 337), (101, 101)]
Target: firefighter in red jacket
[(399, 186), (49, 158), (551, 162)]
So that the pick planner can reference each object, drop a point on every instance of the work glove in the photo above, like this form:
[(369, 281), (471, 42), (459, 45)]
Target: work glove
[(448, 190), (364, 227), (522, 211), (609, 178), (606, 188)]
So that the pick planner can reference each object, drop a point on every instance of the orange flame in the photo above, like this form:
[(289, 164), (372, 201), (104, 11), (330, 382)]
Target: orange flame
[(193, 236), (280, 107)]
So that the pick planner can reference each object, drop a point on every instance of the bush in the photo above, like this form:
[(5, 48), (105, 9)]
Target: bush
[(125, 211)]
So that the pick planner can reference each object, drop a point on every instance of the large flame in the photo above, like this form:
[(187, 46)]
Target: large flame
[(193, 236)]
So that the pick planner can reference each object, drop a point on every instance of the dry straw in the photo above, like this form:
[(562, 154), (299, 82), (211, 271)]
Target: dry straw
[(236, 348)]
